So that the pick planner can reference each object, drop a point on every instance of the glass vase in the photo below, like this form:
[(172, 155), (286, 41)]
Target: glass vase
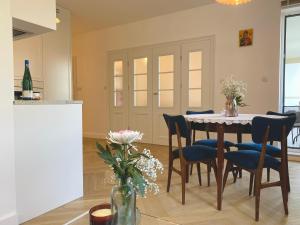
[(231, 108), (123, 201)]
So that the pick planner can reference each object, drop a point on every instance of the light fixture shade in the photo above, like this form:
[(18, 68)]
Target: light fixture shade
[(233, 2)]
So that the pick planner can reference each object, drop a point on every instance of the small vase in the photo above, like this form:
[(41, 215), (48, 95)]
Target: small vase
[(231, 108), (123, 201)]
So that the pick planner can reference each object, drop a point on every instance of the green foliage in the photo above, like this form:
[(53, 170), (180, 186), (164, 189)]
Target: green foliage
[(239, 101), (122, 159)]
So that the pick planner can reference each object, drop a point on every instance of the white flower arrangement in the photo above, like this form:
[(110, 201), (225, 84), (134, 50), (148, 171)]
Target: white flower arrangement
[(125, 137), (128, 164), (234, 89)]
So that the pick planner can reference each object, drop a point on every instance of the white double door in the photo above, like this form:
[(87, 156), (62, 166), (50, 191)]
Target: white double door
[(147, 82)]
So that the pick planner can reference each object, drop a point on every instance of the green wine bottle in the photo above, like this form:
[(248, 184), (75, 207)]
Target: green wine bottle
[(27, 90)]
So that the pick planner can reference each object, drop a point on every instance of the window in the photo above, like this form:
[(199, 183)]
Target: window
[(195, 78), (166, 81), (118, 83), (140, 87)]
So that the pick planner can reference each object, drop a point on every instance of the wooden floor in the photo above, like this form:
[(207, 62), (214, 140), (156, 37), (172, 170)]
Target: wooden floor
[(200, 208)]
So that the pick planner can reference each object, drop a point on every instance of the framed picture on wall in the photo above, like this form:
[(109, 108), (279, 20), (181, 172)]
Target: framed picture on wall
[(246, 37)]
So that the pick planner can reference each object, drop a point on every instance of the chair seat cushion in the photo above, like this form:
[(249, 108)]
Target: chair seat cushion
[(248, 159), (213, 143), (271, 150), (197, 153)]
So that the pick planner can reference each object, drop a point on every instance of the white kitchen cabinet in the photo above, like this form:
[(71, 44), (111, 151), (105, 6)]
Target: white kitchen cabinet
[(34, 16)]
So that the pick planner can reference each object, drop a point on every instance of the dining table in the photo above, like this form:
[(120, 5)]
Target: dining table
[(221, 124)]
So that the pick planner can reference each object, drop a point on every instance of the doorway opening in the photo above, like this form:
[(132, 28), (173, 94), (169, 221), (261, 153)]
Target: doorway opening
[(290, 100)]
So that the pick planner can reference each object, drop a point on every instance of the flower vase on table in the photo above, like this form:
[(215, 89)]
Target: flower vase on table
[(135, 172), (231, 108), (234, 92), (123, 201)]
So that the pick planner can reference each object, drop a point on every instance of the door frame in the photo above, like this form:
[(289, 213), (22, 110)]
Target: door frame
[(285, 13)]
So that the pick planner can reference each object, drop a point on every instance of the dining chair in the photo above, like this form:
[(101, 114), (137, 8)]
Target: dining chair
[(264, 130), (271, 149), (208, 141), (188, 155)]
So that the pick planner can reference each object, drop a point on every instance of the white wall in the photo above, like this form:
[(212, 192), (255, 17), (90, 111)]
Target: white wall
[(41, 13), (258, 65), (7, 164)]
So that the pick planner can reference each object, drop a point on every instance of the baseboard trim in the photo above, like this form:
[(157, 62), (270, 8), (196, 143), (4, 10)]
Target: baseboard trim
[(94, 135), (9, 219)]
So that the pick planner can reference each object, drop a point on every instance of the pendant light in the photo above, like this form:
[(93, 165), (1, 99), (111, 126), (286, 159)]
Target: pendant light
[(233, 2)]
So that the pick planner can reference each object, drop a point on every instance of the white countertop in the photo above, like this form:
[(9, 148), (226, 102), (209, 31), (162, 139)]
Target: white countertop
[(45, 102)]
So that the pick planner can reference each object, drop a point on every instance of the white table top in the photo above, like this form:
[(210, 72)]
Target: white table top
[(220, 118)]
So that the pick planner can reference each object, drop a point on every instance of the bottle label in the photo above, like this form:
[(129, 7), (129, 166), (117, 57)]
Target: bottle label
[(27, 94)]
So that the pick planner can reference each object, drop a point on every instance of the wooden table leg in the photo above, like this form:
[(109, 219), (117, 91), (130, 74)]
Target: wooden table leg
[(220, 164)]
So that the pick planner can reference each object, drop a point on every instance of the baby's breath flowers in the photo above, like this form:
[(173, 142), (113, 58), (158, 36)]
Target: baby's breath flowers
[(129, 164), (234, 89)]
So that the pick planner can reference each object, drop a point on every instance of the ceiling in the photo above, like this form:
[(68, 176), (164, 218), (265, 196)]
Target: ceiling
[(98, 14)]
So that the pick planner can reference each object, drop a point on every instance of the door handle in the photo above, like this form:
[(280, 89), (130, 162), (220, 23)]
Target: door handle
[(155, 93)]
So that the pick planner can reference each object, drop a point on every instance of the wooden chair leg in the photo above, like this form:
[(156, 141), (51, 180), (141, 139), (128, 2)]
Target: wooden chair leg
[(235, 172), (208, 173), (284, 192), (187, 177), (170, 170), (227, 170), (258, 175), (268, 174), (284, 185), (191, 171), (183, 181), (251, 183), (288, 175), (214, 166), (199, 174), (240, 173)]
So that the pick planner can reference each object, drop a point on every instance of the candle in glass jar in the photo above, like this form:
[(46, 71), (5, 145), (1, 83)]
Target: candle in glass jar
[(102, 213)]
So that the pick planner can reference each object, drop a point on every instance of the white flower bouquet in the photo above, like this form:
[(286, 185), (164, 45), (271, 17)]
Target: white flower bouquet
[(129, 164), (234, 89)]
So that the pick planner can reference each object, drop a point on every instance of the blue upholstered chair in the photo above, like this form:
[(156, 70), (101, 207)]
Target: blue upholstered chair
[(271, 150), (203, 127), (264, 130), (187, 155)]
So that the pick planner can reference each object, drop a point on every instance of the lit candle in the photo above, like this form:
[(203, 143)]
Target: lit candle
[(101, 215)]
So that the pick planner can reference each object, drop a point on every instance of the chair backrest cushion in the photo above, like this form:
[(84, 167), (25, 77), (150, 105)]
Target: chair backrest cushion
[(288, 113), (260, 124), (180, 120)]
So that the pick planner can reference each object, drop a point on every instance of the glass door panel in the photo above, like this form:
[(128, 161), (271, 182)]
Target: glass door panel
[(166, 81), (140, 82), (166, 89), (195, 77), (118, 73), (140, 89)]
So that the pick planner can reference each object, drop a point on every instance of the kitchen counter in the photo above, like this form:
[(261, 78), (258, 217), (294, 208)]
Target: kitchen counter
[(48, 152), (45, 102)]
